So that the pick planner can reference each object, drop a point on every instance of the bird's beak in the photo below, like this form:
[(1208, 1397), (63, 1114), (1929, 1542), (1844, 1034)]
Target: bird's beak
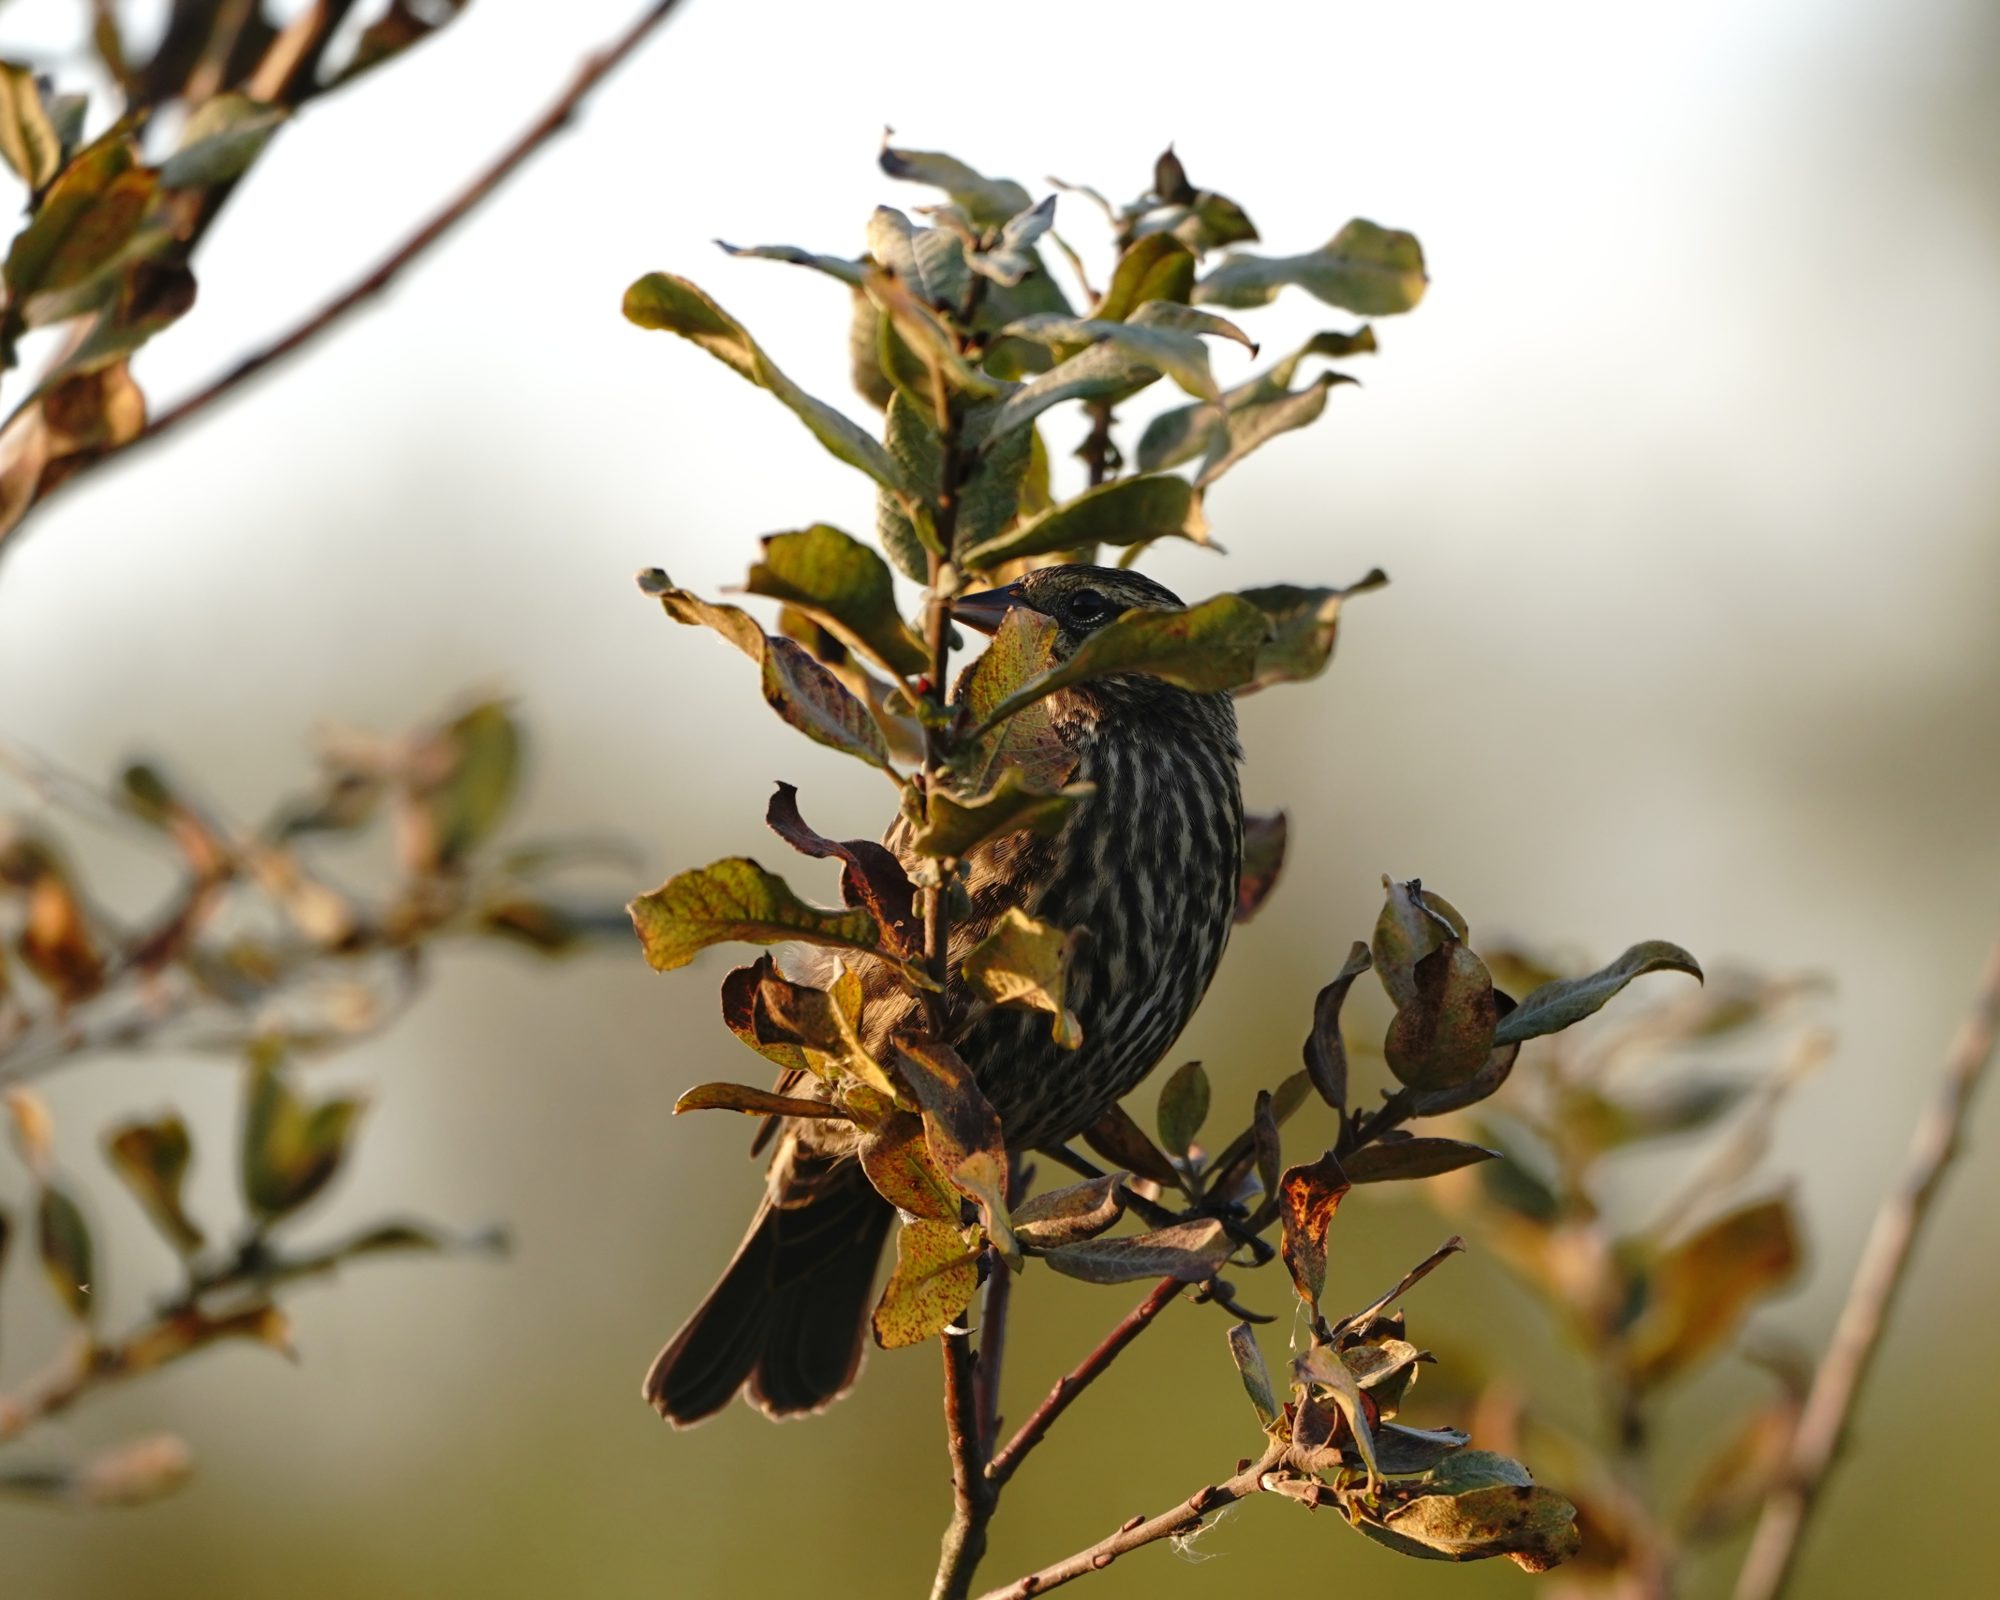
[(987, 609)]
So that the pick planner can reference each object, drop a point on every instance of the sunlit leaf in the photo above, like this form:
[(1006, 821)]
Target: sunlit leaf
[(56, 941), (954, 827), (1304, 623), (1308, 1197), (1557, 1005), (1067, 1216), (930, 262), (1486, 1505), (463, 780), (1024, 962), (1321, 1368), (1403, 1452), (1369, 270), (1205, 648), (936, 1274), (736, 899), (848, 272), (660, 300), (1102, 369), (845, 586), (152, 1158), (1251, 413), (1122, 513), (963, 1131), (1027, 741), (88, 223), (1174, 352), (754, 1102), (989, 202), (1413, 923), (1012, 257), (896, 1156), (223, 136), (1154, 267), (28, 139)]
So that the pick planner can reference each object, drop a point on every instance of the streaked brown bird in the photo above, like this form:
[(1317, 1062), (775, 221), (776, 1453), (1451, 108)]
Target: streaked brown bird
[(1147, 867)]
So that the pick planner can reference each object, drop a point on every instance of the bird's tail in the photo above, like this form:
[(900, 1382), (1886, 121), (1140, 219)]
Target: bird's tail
[(790, 1314)]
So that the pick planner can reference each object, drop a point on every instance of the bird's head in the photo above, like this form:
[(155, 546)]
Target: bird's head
[(1078, 599)]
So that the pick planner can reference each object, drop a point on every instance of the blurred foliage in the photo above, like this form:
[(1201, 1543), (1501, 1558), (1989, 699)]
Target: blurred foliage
[(259, 955), (969, 343), (120, 196)]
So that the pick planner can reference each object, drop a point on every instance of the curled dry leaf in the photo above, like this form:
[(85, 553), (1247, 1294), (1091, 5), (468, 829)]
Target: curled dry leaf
[(1308, 1197), (1068, 1216), (871, 878)]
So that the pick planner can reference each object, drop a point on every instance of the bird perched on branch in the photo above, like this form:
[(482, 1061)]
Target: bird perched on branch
[(1146, 868)]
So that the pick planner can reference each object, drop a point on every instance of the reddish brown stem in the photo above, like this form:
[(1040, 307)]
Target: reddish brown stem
[(1073, 1383)]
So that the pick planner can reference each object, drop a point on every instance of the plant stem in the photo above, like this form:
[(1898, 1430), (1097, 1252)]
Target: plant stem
[(593, 71), (1884, 1265), (1073, 1383), (993, 1333), (1184, 1518), (973, 1497), (1096, 450)]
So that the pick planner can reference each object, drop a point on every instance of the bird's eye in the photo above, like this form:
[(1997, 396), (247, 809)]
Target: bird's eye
[(1088, 607)]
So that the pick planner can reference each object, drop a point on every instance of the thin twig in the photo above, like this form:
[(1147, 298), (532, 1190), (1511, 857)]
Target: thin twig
[(1884, 1264), (993, 1331), (1184, 1518), (973, 1498), (593, 72), (1073, 1383)]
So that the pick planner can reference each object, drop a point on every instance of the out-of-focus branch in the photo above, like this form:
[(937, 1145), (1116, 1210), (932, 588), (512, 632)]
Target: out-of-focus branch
[(1184, 1518), (1884, 1264), (551, 122)]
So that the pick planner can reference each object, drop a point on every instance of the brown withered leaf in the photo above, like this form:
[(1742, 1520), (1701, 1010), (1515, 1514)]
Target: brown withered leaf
[(871, 878), (1443, 1034), (1700, 1291), (963, 1131), (1413, 923), (1068, 1216), (1485, 1505), (755, 1102), (826, 1022), (1255, 1374), (897, 1158), (1325, 1052), (739, 1002), (1308, 1197), (56, 941), (153, 1157), (1122, 1142), (1263, 860), (1391, 1159), (935, 1277), (1191, 1252)]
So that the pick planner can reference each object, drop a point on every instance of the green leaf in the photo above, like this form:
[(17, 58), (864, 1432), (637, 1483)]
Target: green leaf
[(1022, 653), (660, 300), (291, 1150), (1204, 648), (1190, 1252), (152, 1158), (29, 142), (1391, 1159), (1443, 1034), (1058, 1217), (989, 202), (796, 686), (1175, 352), (848, 272), (1250, 414), (931, 341), (1413, 923), (736, 899), (1263, 860), (1024, 962), (956, 827), (1103, 369), (1325, 1050), (1304, 624), (903, 523), (223, 137), (755, 1103), (846, 587), (1183, 1108), (1255, 1374), (1557, 1005), (1308, 1196), (1012, 258), (1155, 267), (1701, 1289), (1369, 270), (67, 1253), (1122, 513), (467, 770), (930, 262), (989, 500), (88, 223), (935, 1277)]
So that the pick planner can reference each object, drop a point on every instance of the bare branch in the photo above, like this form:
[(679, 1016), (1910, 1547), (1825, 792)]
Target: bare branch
[(973, 1497), (1885, 1262), (551, 122)]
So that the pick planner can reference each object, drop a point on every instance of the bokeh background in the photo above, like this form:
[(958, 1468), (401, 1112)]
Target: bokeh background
[(1684, 473)]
